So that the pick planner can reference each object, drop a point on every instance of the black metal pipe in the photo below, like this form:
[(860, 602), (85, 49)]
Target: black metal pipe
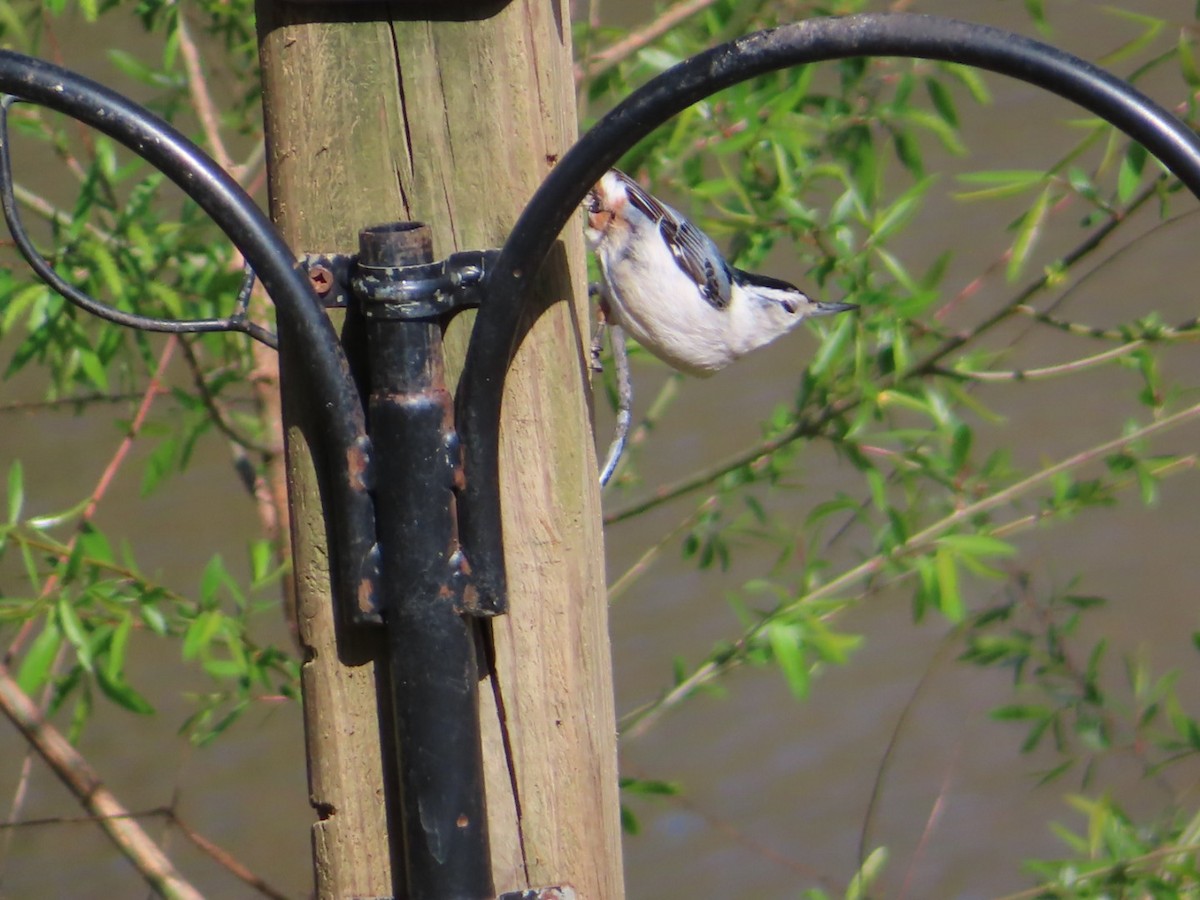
[(302, 320), (815, 40), (431, 635)]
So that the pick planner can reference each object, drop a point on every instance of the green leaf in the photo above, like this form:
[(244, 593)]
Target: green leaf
[(106, 265), (787, 653), (123, 694), (1153, 26), (114, 664), (657, 58), (1018, 712), (72, 627), (1187, 59), (1027, 234), (159, 464), (908, 151), (900, 212), (1000, 183), (629, 822), (949, 599), (210, 582), (154, 619), (39, 658), (90, 362), (872, 868), (1037, 12), (201, 632), (224, 668), (1133, 164), (650, 787), (95, 545), (942, 101), (16, 492), (132, 66), (833, 345)]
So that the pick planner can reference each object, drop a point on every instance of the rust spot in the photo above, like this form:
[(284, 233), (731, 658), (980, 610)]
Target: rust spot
[(321, 280), (463, 821), (356, 464), (470, 597), (366, 596)]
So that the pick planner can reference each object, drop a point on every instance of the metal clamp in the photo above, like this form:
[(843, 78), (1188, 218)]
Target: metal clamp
[(425, 291)]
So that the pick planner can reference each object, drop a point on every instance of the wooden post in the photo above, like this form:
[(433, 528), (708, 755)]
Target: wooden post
[(455, 123)]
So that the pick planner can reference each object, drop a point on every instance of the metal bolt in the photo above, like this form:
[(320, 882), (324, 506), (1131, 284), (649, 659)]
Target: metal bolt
[(321, 280)]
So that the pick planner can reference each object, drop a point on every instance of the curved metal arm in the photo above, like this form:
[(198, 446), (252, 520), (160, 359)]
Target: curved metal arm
[(815, 40), (237, 321), (302, 321)]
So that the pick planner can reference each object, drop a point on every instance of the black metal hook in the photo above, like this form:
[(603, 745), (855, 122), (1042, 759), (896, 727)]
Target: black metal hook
[(237, 321), (815, 40), (302, 320)]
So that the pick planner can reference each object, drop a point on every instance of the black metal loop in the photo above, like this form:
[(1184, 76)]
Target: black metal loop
[(345, 450), (815, 40), (44, 270)]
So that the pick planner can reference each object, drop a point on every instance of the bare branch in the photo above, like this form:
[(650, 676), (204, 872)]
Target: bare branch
[(202, 101), (601, 62), (85, 783)]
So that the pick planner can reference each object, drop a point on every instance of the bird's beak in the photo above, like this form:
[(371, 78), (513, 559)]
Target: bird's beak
[(598, 220), (824, 308)]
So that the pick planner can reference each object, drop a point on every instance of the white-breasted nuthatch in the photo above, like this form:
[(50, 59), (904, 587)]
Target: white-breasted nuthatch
[(666, 283)]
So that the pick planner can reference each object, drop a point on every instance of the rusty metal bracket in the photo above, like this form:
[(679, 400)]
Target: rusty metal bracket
[(400, 292), (423, 291)]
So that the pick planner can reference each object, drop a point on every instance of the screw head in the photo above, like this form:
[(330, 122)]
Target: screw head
[(321, 280)]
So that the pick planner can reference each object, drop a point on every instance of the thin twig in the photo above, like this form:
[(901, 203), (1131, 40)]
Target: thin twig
[(202, 101), (153, 389), (225, 859), (1067, 368), (601, 62), (643, 563), (216, 410), (78, 400), (637, 722), (106, 479), (1124, 865), (85, 783)]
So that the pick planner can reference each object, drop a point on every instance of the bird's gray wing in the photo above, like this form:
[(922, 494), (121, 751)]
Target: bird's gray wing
[(693, 250)]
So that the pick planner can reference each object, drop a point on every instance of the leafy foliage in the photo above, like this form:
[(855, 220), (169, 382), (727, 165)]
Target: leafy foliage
[(834, 162), (120, 232)]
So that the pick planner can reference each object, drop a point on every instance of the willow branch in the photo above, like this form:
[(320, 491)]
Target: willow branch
[(601, 62), (85, 783), (153, 389), (640, 720), (202, 101)]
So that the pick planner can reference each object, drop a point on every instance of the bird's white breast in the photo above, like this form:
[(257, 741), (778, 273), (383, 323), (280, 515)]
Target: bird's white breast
[(659, 305)]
